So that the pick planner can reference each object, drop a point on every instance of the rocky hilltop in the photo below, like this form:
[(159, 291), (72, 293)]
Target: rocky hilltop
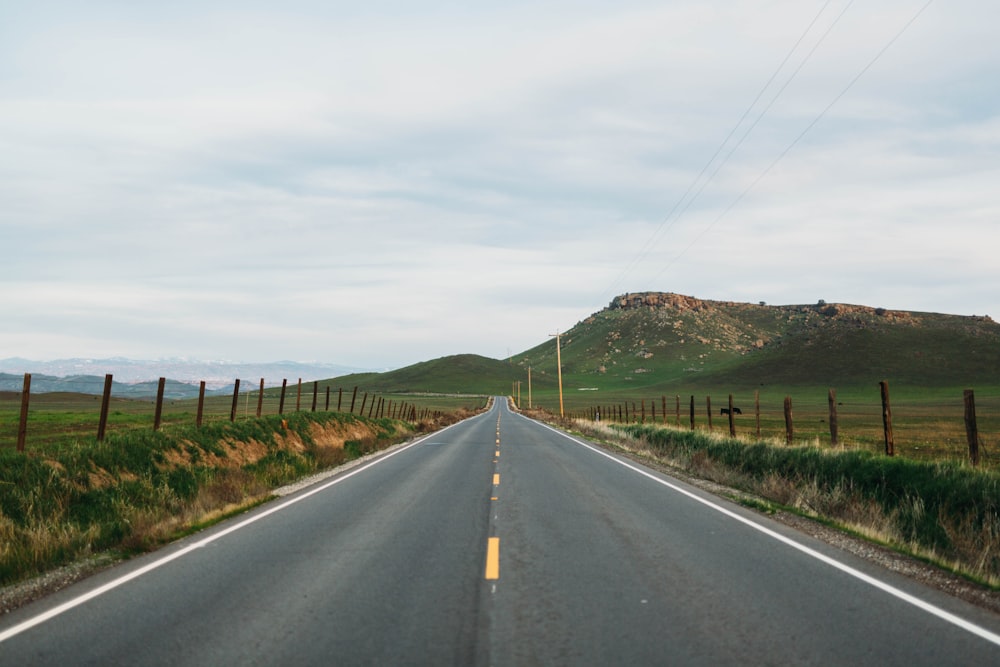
[(680, 302)]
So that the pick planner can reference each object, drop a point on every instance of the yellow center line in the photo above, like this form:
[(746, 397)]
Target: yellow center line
[(493, 558), (496, 479)]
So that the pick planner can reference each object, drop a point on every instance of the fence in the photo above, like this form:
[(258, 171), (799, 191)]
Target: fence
[(327, 398), (635, 411)]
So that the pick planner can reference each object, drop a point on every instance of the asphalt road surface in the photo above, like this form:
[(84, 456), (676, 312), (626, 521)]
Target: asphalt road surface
[(499, 541)]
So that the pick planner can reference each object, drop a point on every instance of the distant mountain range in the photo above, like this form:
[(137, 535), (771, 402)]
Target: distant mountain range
[(140, 378)]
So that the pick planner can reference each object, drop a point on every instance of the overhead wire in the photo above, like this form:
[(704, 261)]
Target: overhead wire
[(796, 140), (770, 104), (647, 247)]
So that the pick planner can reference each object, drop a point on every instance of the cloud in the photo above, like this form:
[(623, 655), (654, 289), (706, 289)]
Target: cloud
[(382, 183)]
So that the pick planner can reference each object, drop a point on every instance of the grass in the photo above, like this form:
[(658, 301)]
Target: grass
[(139, 487), (928, 424), (60, 420)]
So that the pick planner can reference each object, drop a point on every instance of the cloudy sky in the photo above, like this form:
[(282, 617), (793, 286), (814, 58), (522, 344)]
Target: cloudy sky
[(386, 182)]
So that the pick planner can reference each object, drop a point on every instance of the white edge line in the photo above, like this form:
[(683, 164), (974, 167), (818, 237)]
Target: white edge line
[(944, 615), (135, 574)]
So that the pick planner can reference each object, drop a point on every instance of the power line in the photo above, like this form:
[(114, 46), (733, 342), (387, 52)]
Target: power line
[(796, 140), (663, 225)]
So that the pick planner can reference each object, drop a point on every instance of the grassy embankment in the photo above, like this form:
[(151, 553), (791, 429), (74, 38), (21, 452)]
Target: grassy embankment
[(68, 499), (945, 512)]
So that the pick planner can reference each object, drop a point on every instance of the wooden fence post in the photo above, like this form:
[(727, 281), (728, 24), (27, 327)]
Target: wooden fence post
[(708, 405), (340, 397), (732, 421), (643, 411), (158, 413), (692, 412), (663, 402), (281, 401), (678, 398), (236, 399), (971, 429), (201, 404), (756, 409), (298, 397), (327, 409), (364, 401), (315, 394), (260, 399), (102, 425), (353, 397), (789, 430), (832, 400), (890, 445), (22, 424)]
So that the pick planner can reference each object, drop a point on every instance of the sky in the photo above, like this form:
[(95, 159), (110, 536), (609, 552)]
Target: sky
[(376, 184)]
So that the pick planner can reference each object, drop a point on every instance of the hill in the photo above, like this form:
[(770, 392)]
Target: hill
[(456, 374), (664, 340), (93, 384), (656, 341)]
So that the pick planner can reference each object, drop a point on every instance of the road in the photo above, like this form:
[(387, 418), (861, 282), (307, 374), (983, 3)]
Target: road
[(499, 541)]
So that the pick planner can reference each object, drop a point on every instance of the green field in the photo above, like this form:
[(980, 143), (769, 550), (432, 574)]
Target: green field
[(58, 420), (926, 424)]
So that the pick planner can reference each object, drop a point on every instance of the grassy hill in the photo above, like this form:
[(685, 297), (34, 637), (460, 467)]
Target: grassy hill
[(669, 342), (457, 374)]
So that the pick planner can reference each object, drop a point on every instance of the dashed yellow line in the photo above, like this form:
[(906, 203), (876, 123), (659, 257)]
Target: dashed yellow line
[(493, 558), (496, 479)]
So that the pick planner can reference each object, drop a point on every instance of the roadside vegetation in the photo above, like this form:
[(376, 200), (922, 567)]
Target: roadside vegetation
[(944, 512), (140, 488)]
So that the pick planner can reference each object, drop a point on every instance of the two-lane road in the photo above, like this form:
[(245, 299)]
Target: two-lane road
[(498, 541)]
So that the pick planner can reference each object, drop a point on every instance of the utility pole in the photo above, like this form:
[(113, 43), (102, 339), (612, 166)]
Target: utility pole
[(529, 387), (559, 370)]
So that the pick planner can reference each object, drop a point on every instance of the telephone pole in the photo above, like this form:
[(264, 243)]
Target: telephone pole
[(559, 370)]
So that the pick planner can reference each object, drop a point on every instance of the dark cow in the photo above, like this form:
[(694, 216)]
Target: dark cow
[(725, 411)]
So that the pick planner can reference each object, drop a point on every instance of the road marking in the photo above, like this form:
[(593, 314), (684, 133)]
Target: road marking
[(946, 616), (493, 558), (156, 564), (496, 479), (498, 453)]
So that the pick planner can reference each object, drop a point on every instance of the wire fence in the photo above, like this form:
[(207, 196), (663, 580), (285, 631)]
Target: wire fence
[(934, 427), (56, 418)]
